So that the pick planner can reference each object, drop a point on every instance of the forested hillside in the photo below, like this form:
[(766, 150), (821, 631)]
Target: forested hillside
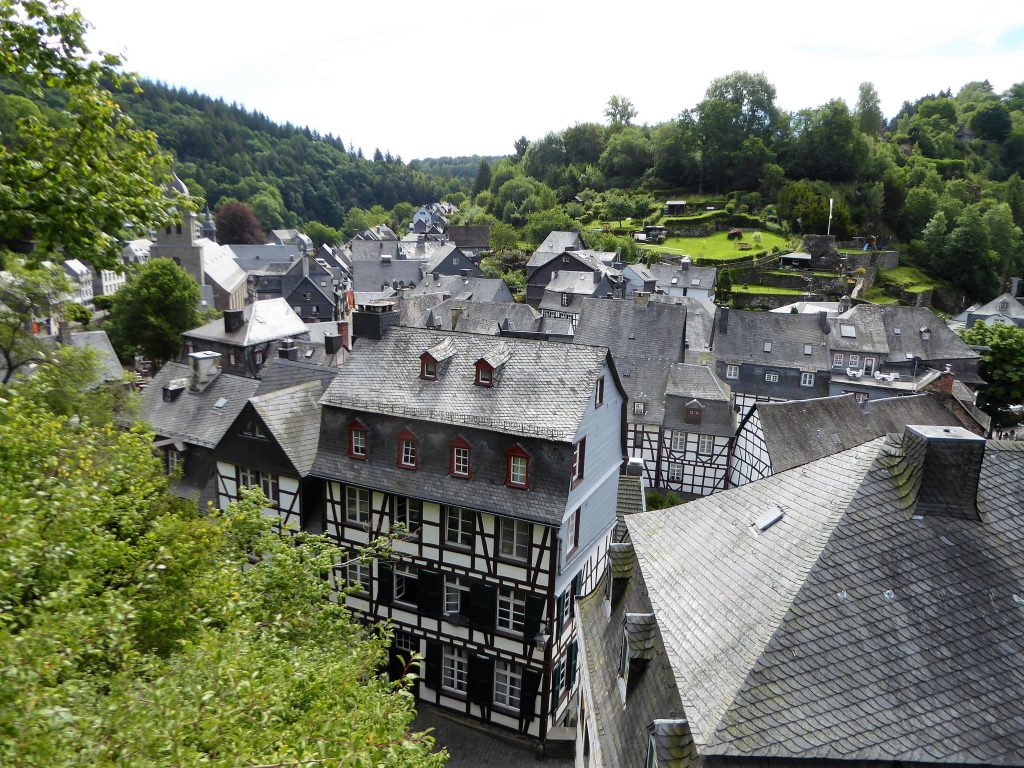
[(288, 175)]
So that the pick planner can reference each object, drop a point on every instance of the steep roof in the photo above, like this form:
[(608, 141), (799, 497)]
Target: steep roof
[(98, 341), (700, 318), (801, 431), (220, 266), (255, 257), (696, 381), (457, 286), (903, 337), (627, 327), (852, 628), (1014, 307), (292, 415), (438, 256), (265, 320), (691, 277), (194, 416), (280, 373), (554, 244), (541, 391), (748, 332), (374, 274), (372, 250), (470, 235)]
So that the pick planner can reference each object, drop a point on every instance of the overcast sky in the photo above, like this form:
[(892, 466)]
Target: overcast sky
[(469, 77)]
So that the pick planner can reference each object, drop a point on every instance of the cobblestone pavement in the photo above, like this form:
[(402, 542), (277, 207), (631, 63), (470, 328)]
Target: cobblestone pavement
[(473, 745)]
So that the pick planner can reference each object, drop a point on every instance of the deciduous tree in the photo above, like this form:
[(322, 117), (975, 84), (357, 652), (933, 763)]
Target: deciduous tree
[(238, 225), (1002, 366), (620, 111)]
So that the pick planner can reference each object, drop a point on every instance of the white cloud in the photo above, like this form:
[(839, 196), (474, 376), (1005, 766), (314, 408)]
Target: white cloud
[(470, 77)]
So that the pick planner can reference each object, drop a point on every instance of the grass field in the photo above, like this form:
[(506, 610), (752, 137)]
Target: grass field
[(910, 279), (718, 247), (879, 296), (766, 289)]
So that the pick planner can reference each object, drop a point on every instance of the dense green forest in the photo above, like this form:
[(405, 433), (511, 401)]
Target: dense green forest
[(287, 174)]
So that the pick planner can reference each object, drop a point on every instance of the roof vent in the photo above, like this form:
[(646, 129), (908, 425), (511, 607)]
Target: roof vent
[(768, 519)]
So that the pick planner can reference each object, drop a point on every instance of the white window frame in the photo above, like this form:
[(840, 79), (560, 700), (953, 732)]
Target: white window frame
[(837, 359), (675, 472), (408, 453), (513, 538), (639, 408), (578, 458), (400, 578), (508, 684), (358, 442), (460, 461), (732, 371), (404, 505), (357, 574), (869, 364), (511, 610), (771, 377), (357, 504), (517, 470), (854, 361), (456, 591), (806, 379), (454, 669), (175, 459), (705, 445), (678, 441), (459, 524)]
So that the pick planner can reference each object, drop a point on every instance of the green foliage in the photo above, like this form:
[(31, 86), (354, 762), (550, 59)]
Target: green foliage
[(70, 384), (321, 234), (139, 632), (483, 177), (71, 177), (26, 294), (868, 114), (152, 310), (626, 157), (967, 261), (503, 237), (77, 313), (542, 223), (662, 499), (1002, 366), (103, 303), (805, 207), (620, 111)]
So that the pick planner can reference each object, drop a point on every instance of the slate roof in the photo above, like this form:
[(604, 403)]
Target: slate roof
[(696, 381), (644, 381), (192, 417), (280, 373), (374, 274), (1014, 307), (876, 320), (700, 318), (665, 272), (627, 328), (220, 266), (265, 320), (470, 235), (748, 331), (542, 391), (438, 255), (801, 431), (555, 244), (372, 250), (853, 628), (292, 415), (458, 287), (629, 501), (98, 341)]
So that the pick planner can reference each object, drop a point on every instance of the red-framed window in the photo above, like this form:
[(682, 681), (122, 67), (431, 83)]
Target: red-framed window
[(579, 456), (484, 374), (461, 458), (408, 455), (428, 367), (357, 442), (517, 467)]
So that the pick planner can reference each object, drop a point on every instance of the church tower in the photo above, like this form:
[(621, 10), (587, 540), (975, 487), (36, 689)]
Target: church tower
[(209, 230)]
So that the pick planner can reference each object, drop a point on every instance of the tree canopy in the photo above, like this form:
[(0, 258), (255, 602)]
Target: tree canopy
[(237, 224), (75, 170), (1002, 366), (27, 293), (138, 631)]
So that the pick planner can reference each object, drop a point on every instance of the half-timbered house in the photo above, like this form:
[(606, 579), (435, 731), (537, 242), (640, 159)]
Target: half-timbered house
[(499, 458)]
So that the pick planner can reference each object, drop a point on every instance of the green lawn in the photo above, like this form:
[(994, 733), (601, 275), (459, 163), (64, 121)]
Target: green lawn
[(879, 296), (910, 279), (801, 272), (718, 247), (766, 289)]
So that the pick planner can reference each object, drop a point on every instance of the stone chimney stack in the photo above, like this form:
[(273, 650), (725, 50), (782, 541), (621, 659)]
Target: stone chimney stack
[(641, 298), (950, 460), (345, 333), (823, 321), (204, 367), (723, 320), (288, 350), (233, 319)]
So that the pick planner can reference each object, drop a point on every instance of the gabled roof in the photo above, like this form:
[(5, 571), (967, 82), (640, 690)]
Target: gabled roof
[(373, 275), (372, 250), (543, 390), (904, 340), (1014, 307), (801, 431), (98, 341), (194, 416), (265, 320), (220, 266), (470, 235), (469, 288), (851, 629), (696, 381), (292, 415), (700, 318), (280, 373), (748, 332), (250, 258), (627, 327), (555, 244), (665, 272), (471, 316)]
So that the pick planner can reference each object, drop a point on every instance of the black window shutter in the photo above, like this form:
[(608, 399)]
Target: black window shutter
[(432, 664), (385, 584), (483, 605), (583, 456), (570, 675), (481, 679), (561, 615), (534, 614), (528, 694), (556, 685), (430, 593)]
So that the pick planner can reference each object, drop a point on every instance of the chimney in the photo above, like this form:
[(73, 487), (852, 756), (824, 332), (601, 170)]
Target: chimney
[(844, 304), (288, 350), (332, 343), (944, 382), (723, 320), (344, 332), (950, 470), (203, 368), (685, 263), (174, 388), (641, 298), (456, 315), (233, 319), (823, 321), (374, 319)]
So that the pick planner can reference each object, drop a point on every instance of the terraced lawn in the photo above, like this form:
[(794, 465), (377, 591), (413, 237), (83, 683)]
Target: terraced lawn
[(718, 247), (910, 279), (766, 289)]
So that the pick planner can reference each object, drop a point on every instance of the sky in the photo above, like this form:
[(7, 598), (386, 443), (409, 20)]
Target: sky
[(427, 79)]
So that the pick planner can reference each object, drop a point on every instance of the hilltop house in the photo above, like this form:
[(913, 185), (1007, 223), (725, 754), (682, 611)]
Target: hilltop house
[(684, 279)]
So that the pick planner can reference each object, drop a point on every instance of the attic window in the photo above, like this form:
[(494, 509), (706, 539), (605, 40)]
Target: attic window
[(407, 455), (895, 331), (848, 331), (253, 429), (565, 299), (693, 415), (695, 281), (639, 408), (1004, 305), (632, 336), (767, 346), (925, 333), (484, 374), (675, 280)]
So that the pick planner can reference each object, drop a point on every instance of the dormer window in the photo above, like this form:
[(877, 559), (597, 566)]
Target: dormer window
[(808, 349), (693, 415), (357, 440), (484, 374), (407, 455), (517, 467), (925, 333), (639, 408), (428, 368), (1004, 305), (565, 299)]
